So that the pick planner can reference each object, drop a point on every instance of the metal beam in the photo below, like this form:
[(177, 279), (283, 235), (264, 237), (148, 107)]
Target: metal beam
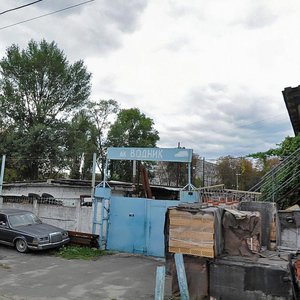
[(181, 276), (160, 283)]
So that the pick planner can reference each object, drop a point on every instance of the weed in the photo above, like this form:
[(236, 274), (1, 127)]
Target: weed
[(4, 266), (75, 252)]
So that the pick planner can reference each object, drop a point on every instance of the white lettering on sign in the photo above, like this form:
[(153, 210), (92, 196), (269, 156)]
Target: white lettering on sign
[(123, 154), (146, 153)]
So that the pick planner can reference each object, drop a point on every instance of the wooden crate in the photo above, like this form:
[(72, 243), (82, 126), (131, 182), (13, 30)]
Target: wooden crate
[(191, 233)]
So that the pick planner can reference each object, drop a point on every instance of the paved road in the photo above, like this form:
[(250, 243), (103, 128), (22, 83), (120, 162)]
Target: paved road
[(39, 276)]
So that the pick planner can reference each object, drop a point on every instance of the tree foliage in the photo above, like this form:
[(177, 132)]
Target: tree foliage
[(227, 168), (132, 129), (283, 149), (237, 173), (101, 114), (81, 143), (39, 91), (282, 184)]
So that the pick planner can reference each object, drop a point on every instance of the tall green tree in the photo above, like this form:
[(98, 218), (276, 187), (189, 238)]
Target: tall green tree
[(131, 129), (81, 143), (39, 90), (102, 113)]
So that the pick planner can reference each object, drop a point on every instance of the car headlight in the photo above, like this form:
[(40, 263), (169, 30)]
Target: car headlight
[(44, 239), (35, 241)]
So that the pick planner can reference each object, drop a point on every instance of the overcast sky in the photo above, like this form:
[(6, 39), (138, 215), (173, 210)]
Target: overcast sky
[(209, 73)]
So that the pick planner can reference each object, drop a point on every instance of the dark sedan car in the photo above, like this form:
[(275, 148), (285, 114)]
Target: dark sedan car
[(24, 230)]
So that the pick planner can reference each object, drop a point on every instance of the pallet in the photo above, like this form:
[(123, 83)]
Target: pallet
[(191, 233)]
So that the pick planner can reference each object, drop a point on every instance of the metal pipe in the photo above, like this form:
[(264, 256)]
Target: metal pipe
[(93, 175), (105, 173), (189, 176), (95, 206)]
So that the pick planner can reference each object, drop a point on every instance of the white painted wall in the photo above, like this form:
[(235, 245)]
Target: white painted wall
[(70, 216), (77, 218)]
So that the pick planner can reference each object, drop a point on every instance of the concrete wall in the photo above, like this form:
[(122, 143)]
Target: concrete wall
[(76, 218), (70, 216), (57, 191)]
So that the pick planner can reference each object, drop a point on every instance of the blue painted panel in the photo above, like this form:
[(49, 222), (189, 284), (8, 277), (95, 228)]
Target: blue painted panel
[(156, 211), (150, 154), (137, 225), (102, 192), (190, 196), (126, 231)]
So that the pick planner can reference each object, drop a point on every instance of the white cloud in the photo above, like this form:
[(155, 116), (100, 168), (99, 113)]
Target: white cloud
[(209, 73)]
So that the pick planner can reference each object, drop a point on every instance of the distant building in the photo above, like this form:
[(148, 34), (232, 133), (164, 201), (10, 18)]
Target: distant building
[(201, 169), (206, 172)]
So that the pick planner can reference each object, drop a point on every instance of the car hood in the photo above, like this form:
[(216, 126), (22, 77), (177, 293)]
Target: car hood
[(38, 229)]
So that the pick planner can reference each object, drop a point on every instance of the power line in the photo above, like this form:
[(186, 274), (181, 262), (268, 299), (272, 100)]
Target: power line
[(260, 121), (45, 15), (19, 7)]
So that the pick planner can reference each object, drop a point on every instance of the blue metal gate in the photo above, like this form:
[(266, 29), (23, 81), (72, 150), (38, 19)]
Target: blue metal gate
[(136, 225)]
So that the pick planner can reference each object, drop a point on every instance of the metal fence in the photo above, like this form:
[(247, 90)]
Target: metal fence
[(218, 194)]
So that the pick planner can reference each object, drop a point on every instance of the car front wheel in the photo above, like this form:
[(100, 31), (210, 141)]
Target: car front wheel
[(21, 245)]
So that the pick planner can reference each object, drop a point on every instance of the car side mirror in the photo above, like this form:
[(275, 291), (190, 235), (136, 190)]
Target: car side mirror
[(2, 223)]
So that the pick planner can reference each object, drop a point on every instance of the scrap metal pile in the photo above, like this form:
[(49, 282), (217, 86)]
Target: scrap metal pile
[(249, 251)]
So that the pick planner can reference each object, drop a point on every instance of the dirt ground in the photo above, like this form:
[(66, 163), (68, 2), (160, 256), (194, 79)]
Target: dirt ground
[(39, 275)]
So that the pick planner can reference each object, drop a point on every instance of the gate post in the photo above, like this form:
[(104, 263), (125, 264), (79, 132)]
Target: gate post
[(102, 195)]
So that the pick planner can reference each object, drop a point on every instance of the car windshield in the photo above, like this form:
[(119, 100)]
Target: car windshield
[(23, 219)]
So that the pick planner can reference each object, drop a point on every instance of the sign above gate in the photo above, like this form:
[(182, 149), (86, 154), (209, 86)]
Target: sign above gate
[(150, 154)]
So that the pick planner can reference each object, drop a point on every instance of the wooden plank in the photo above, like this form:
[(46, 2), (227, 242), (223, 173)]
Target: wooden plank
[(188, 215), (183, 287), (195, 236), (201, 251), (160, 282), (197, 223), (83, 239), (179, 213), (185, 244), (204, 228)]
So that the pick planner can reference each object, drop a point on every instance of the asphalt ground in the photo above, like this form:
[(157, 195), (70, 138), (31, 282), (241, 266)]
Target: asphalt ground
[(41, 275)]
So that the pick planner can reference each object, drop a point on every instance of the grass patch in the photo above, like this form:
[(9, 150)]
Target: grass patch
[(4, 266), (76, 252)]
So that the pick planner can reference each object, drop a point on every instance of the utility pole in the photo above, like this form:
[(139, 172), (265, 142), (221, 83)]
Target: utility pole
[(177, 169), (1, 178), (237, 180)]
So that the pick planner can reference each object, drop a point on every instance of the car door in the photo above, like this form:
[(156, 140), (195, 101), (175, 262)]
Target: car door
[(6, 233)]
